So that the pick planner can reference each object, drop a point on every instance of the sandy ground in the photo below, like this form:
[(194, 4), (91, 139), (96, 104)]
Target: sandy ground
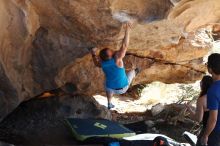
[(153, 94)]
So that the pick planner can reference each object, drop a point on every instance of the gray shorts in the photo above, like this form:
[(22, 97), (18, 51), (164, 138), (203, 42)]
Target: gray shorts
[(130, 75)]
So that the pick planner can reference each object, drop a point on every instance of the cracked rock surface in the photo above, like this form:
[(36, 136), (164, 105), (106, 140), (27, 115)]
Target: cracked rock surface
[(43, 43)]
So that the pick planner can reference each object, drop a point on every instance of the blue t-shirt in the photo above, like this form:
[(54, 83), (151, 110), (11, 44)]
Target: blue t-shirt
[(213, 101), (115, 76)]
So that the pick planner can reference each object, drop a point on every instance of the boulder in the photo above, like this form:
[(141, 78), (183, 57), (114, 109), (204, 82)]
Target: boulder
[(157, 109), (41, 120), (43, 43)]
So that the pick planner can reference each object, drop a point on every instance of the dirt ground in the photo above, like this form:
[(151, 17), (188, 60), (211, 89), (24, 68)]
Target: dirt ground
[(128, 110), (163, 127)]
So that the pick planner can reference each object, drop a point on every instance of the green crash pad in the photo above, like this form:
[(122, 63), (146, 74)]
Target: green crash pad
[(87, 128)]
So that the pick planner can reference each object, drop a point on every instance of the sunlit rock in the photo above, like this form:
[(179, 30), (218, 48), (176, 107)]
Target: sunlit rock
[(43, 43)]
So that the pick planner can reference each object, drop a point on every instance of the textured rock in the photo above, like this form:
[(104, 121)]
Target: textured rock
[(42, 121), (41, 40), (195, 13)]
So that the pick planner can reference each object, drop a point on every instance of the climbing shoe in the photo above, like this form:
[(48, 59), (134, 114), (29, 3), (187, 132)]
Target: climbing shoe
[(110, 106)]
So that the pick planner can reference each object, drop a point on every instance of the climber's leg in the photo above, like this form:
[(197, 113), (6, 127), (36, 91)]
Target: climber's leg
[(110, 92), (132, 74), (109, 95)]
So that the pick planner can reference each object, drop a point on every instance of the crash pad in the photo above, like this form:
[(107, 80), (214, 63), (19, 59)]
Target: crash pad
[(83, 129)]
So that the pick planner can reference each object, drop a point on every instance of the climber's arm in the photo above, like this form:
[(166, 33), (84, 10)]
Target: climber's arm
[(95, 58), (122, 52)]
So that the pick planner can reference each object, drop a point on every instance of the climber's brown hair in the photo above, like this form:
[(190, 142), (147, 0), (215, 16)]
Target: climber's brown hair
[(104, 54), (206, 83)]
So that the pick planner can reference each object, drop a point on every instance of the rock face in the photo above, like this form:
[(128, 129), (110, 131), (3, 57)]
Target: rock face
[(41, 120), (43, 42)]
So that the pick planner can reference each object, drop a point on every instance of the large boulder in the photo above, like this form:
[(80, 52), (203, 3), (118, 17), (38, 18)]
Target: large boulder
[(41, 120), (43, 43)]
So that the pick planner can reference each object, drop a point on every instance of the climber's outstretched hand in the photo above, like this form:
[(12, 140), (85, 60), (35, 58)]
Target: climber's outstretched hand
[(128, 25)]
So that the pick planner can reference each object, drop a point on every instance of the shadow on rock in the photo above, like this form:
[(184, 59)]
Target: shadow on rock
[(42, 120)]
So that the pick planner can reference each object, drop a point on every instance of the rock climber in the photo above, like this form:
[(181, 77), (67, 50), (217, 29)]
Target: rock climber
[(111, 62)]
